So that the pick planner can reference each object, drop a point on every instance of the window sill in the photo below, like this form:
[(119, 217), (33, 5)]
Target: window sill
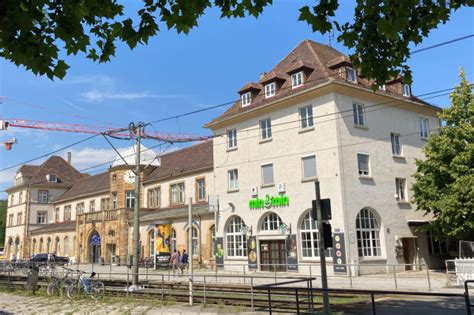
[(364, 127), (265, 140), (307, 180), (372, 259), (243, 258), (230, 191), (366, 177), (267, 186), (307, 129), (231, 149), (396, 156), (403, 202)]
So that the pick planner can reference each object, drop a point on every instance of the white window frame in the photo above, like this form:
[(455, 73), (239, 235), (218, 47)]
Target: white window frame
[(246, 99), (424, 128), (297, 79), (303, 168), (271, 222), (351, 75), (92, 206), (235, 241), (270, 90), (67, 213), (130, 199), (401, 188), (266, 129), (114, 200), (306, 117), (406, 90), (262, 166), (368, 234), (151, 198), (42, 217), (232, 139), (43, 196), (358, 112), (363, 172), (200, 189), (309, 238), (396, 144), (233, 179)]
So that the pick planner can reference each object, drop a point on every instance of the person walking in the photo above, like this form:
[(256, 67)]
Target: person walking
[(184, 260), (174, 260)]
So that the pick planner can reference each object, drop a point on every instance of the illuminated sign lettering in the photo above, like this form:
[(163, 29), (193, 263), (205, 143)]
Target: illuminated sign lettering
[(269, 202)]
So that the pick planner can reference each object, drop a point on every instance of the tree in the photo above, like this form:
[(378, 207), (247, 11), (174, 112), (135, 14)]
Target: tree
[(444, 185), (39, 34)]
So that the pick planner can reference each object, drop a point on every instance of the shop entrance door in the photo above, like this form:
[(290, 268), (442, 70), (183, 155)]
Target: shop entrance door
[(272, 255)]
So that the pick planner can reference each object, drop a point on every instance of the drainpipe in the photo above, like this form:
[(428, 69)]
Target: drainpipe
[(200, 238), (27, 216)]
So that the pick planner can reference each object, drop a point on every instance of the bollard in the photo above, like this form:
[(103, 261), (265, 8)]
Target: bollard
[(110, 270), (128, 279), (146, 274), (395, 277), (216, 273), (243, 267), (428, 276), (251, 293), (350, 275)]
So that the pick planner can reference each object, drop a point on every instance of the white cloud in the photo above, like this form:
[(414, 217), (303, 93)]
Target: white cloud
[(94, 79), (87, 157), (8, 176), (100, 96)]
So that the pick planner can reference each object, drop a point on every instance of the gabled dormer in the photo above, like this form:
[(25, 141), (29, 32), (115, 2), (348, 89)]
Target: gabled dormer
[(272, 83), (299, 72), (343, 66), (248, 92)]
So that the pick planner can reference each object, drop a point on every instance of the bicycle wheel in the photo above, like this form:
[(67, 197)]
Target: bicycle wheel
[(97, 289), (72, 291), (53, 286)]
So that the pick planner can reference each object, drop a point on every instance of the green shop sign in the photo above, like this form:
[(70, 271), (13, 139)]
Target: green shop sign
[(268, 202)]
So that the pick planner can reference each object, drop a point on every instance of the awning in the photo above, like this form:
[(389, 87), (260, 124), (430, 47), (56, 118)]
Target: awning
[(417, 222)]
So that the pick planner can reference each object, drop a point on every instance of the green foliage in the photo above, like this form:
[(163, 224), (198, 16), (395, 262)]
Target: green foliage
[(40, 34), (444, 184), (3, 221)]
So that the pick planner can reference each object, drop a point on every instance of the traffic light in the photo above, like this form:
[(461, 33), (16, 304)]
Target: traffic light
[(327, 235), (325, 209)]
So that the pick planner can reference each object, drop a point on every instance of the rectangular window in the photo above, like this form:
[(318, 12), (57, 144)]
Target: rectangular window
[(41, 217), (233, 178), (130, 199), (20, 198), (56, 215), (267, 175), (358, 111), (232, 138), (306, 116), (92, 206), (351, 75), (270, 90), (12, 199), (296, 79), (67, 213), (80, 208), (43, 196), (246, 99), (114, 200), (104, 203), (19, 218), (200, 189), (396, 146), (363, 164), (424, 131), (266, 128), (309, 167), (151, 198), (158, 197), (177, 193), (406, 90), (401, 186), (10, 220)]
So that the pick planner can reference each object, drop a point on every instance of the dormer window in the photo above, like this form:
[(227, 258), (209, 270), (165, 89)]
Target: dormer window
[(406, 90), (270, 90), (351, 75), (51, 178), (297, 79), (246, 99)]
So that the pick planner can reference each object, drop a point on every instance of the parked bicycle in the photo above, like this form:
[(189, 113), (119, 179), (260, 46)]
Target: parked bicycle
[(59, 285), (91, 286)]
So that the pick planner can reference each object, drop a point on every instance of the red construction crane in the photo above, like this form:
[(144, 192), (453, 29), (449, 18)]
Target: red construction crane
[(89, 129)]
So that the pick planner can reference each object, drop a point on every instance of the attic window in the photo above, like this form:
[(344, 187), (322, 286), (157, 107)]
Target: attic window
[(51, 178), (406, 90), (296, 79), (351, 75), (246, 99), (270, 90), (383, 87)]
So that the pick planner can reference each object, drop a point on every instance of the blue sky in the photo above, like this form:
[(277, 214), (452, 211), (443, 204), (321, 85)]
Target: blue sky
[(180, 73)]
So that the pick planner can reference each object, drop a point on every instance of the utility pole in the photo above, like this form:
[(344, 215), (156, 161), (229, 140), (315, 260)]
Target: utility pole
[(190, 250), (322, 256), (136, 217)]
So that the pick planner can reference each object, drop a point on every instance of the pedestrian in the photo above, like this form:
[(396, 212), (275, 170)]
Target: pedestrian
[(174, 260), (184, 260), (14, 257)]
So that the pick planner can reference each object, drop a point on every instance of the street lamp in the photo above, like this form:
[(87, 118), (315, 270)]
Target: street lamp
[(245, 230), (283, 228)]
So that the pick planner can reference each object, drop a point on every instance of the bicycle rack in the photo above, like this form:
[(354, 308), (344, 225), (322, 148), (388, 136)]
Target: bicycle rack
[(467, 298)]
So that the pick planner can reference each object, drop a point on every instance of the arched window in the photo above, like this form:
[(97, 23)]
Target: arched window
[(310, 238), (33, 250), (213, 239), (48, 245), (173, 240), (57, 246), (236, 242), (66, 246), (41, 248), (151, 237), (368, 234), (271, 222), (195, 242)]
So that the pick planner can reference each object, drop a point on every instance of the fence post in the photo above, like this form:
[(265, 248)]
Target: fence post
[(269, 301), (309, 295), (110, 270), (310, 272), (297, 302), (243, 267), (428, 276), (146, 267), (204, 291), (274, 269), (162, 289), (216, 273), (128, 279), (350, 275), (395, 277), (372, 297), (251, 293)]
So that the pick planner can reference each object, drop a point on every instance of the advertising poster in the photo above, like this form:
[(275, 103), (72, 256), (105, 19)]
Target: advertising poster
[(162, 244), (339, 251), (291, 253), (219, 252), (252, 252)]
